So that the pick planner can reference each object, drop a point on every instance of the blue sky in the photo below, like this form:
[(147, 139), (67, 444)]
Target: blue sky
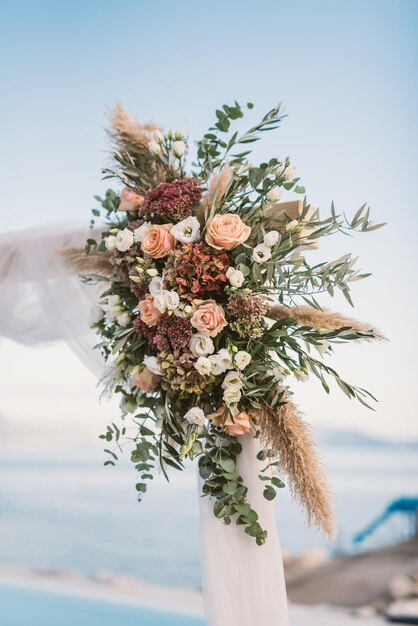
[(347, 72)]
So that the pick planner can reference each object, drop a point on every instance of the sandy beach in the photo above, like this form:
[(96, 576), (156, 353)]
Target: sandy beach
[(107, 588)]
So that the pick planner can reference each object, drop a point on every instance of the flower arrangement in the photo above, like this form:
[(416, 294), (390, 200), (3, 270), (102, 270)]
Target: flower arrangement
[(209, 308)]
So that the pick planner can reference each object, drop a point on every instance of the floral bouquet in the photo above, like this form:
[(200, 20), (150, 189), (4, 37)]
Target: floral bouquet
[(208, 308)]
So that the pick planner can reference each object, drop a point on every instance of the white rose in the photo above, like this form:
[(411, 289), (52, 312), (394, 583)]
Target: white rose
[(236, 278), (187, 231), (225, 357), (123, 319), (110, 243), (195, 416), (179, 148), (139, 232), (96, 315), (160, 302), (156, 286), (154, 147), (274, 194), (124, 240), (232, 379), (153, 365), (203, 366), (242, 359), (289, 172), (229, 271), (261, 253), (172, 299), (271, 238), (201, 345), (220, 362), (113, 300), (232, 395), (292, 225), (322, 346)]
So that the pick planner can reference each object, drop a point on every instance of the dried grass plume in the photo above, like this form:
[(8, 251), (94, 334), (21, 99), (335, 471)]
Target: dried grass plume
[(128, 130), (287, 434), (216, 191), (314, 318), (88, 263)]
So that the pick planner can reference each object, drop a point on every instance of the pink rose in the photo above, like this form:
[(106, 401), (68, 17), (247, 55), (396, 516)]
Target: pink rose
[(238, 425), (148, 312), (226, 231), (157, 241), (208, 318), (130, 200), (146, 380)]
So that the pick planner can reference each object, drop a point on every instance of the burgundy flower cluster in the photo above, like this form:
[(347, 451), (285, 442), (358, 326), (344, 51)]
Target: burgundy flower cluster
[(169, 333), (196, 270), (174, 201)]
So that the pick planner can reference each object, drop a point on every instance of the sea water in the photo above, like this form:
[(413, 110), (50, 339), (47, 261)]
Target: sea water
[(26, 607), (60, 509)]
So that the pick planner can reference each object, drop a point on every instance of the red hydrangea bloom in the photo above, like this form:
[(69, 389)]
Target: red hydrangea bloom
[(169, 333), (175, 200), (196, 270)]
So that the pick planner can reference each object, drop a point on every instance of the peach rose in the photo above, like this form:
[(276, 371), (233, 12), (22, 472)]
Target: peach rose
[(239, 424), (146, 380), (157, 241), (226, 231), (130, 200), (148, 312), (208, 318)]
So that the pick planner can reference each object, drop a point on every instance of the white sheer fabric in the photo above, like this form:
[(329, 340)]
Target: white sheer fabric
[(43, 302), (243, 584)]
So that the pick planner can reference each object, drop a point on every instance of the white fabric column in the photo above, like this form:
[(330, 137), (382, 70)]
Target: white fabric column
[(243, 584)]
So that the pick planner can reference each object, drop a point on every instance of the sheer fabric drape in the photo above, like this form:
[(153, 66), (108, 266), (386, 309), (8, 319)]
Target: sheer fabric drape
[(243, 584), (42, 302)]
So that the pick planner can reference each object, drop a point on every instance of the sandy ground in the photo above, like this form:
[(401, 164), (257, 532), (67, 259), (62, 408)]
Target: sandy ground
[(357, 580), (135, 592)]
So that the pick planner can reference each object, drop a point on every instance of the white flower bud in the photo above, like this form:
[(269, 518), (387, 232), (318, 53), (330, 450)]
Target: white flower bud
[(203, 366), (153, 364), (236, 278), (187, 231), (261, 253), (110, 243), (271, 238), (139, 232), (124, 240), (274, 194), (179, 148), (292, 225), (154, 147), (156, 286), (232, 395), (242, 359), (201, 345), (195, 416), (123, 319), (232, 379)]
